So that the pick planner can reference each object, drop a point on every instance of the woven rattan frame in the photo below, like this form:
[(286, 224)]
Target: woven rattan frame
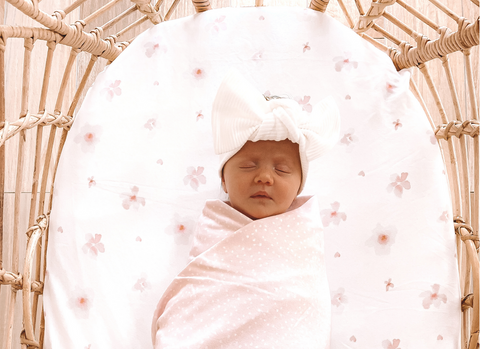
[(29, 156)]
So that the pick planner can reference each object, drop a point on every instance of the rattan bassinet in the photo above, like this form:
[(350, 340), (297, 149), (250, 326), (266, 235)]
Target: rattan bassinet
[(47, 78)]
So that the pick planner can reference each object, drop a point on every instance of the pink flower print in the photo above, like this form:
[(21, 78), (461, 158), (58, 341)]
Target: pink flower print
[(345, 62), (261, 18), (397, 124), (91, 182), (389, 284), (434, 297), (199, 115), (151, 124), (398, 184), (333, 215), (433, 138), (439, 337), (306, 47), (112, 89), (181, 228), (382, 239), (267, 93), (60, 230), (349, 137), (160, 161), (142, 284), (339, 298), (391, 345), (198, 73), (390, 87), (347, 97), (217, 25), (257, 56), (194, 177), (444, 217), (138, 239), (81, 302), (132, 199), (353, 339), (304, 103), (361, 173), (93, 245), (154, 47), (88, 137), (337, 255)]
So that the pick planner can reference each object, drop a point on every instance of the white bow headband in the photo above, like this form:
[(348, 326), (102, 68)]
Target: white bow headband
[(240, 113)]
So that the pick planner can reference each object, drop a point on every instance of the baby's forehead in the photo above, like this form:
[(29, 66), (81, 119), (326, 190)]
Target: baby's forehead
[(276, 150)]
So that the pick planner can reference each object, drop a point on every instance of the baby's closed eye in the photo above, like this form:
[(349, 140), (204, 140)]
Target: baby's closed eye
[(283, 169)]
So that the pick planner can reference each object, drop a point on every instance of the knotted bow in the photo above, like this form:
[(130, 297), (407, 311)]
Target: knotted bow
[(240, 113)]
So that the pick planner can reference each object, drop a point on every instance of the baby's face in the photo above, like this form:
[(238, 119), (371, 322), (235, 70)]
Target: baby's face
[(263, 178)]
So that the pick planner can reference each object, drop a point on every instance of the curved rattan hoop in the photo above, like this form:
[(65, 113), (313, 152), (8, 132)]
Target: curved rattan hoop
[(99, 32)]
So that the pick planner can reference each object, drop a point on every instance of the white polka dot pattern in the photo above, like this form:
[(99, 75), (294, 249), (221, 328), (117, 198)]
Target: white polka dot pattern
[(253, 284)]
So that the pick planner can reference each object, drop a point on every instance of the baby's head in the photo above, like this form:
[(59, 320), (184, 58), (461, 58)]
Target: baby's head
[(263, 178), (266, 145)]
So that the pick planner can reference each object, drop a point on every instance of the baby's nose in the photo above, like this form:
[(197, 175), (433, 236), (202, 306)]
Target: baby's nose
[(264, 176)]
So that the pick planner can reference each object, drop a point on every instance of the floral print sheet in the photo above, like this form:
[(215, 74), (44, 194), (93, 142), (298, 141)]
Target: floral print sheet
[(138, 166)]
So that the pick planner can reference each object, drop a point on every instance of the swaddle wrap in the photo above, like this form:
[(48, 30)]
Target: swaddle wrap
[(251, 284), (240, 113)]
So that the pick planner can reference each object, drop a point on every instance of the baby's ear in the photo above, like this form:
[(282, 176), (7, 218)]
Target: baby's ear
[(224, 186)]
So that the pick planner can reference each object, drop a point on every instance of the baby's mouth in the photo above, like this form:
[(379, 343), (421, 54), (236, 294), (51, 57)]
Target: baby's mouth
[(261, 195)]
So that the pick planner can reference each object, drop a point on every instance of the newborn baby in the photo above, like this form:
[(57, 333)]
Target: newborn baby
[(257, 277)]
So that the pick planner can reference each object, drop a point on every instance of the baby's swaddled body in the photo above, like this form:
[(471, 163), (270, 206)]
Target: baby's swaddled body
[(251, 283), (257, 276)]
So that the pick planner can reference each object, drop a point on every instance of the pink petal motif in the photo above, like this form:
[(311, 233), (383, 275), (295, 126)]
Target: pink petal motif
[(88, 137), (361, 173), (217, 25), (333, 216), (397, 124), (93, 245), (194, 177), (344, 62), (199, 115), (181, 228), (150, 124), (81, 301), (399, 183), (132, 199), (304, 103), (60, 229), (339, 297), (91, 182), (156, 83), (349, 137), (336, 255), (257, 55), (389, 284), (434, 297), (382, 239), (198, 73), (439, 337), (347, 97), (160, 161), (138, 239), (142, 284), (306, 47), (391, 345), (444, 216), (390, 87), (112, 89), (261, 18), (353, 339)]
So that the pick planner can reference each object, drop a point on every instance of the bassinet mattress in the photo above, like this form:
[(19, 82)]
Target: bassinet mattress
[(138, 166)]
